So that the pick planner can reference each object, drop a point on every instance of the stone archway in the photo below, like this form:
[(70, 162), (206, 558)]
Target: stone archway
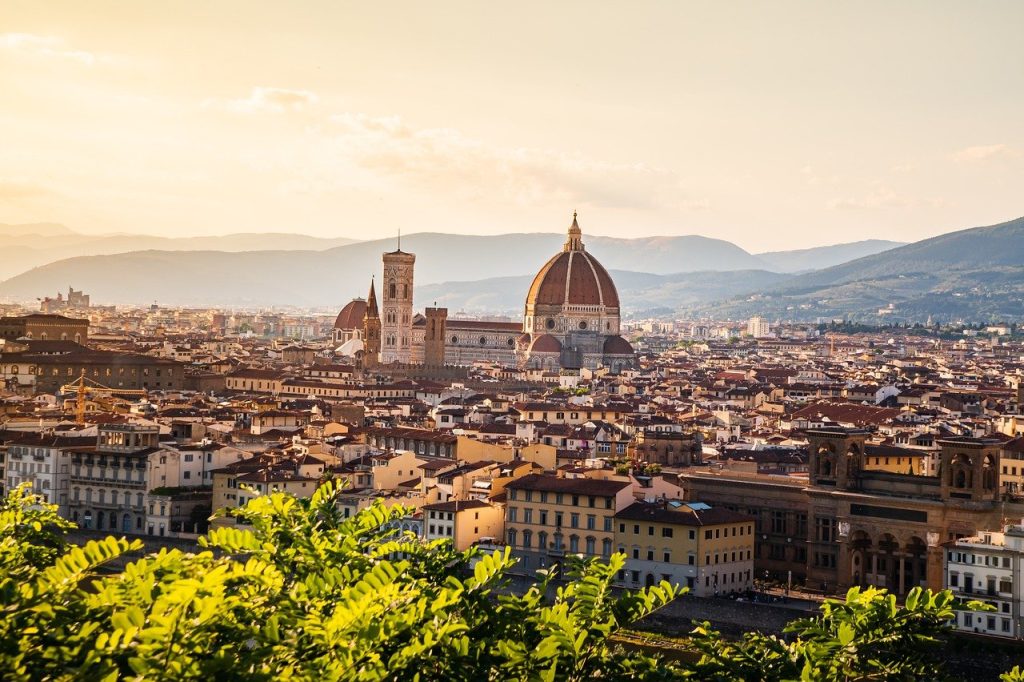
[(885, 560), (862, 565), (915, 564)]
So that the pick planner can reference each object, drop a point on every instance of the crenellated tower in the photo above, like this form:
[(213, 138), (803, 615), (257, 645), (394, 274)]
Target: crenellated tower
[(434, 336)]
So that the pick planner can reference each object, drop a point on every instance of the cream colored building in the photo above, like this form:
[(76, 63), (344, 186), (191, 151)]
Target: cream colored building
[(708, 550), (464, 522)]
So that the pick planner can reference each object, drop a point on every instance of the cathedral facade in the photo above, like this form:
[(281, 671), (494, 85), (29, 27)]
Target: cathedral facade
[(570, 321)]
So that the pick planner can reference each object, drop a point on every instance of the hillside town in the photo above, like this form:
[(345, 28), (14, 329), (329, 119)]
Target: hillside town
[(722, 457)]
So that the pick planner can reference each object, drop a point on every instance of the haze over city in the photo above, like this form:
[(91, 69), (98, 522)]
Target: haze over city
[(772, 125)]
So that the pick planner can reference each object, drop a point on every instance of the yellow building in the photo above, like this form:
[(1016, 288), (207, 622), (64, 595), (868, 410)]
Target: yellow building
[(464, 522), (896, 459), (709, 550), (547, 517), (237, 483)]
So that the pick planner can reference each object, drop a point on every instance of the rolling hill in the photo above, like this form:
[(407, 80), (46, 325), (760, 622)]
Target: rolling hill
[(973, 274), (331, 276), (804, 260)]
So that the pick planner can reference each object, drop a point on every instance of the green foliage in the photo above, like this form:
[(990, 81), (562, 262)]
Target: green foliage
[(297, 591), (867, 637)]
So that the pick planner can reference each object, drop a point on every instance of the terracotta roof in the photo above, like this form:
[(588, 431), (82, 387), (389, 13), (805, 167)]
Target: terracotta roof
[(616, 345), (683, 515), (351, 316), (545, 343), (581, 486), (573, 277)]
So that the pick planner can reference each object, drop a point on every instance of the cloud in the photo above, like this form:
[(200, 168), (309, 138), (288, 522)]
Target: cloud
[(445, 160), (14, 190), (985, 152), (46, 46), (274, 100)]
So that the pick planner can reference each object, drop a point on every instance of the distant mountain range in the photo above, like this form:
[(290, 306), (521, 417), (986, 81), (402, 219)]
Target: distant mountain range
[(805, 260), (975, 274), (30, 245), (638, 291), (229, 270)]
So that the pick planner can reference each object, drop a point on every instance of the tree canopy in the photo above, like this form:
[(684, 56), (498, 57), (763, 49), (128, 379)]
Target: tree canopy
[(297, 591)]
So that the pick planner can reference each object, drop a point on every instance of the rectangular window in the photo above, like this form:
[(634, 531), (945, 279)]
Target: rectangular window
[(666, 532)]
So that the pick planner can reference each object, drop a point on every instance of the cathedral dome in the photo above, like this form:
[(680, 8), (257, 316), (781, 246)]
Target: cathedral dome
[(573, 277), (545, 343), (351, 316), (616, 345)]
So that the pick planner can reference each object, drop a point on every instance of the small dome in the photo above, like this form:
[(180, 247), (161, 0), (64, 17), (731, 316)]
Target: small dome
[(545, 343), (351, 316), (616, 345)]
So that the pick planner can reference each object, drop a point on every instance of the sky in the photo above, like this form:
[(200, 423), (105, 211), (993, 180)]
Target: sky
[(774, 125)]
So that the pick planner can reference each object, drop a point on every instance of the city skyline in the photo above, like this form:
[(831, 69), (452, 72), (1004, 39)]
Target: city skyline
[(771, 127)]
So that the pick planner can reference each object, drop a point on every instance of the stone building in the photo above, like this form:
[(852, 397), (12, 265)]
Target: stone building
[(848, 525), (572, 321), (44, 326), (396, 322), (111, 369), (665, 447)]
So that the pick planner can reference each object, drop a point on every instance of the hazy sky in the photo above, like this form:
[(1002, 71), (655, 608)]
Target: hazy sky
[(771, 124)]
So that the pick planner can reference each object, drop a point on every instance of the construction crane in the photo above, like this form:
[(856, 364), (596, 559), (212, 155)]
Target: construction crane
[(83, 390)]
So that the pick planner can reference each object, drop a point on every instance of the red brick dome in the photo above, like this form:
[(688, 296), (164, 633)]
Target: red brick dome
[(545, 343), (616, 345), (351, 316), (573, 277)]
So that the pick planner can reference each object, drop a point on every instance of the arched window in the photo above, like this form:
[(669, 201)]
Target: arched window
[(574, 544), (512, 537), (542, 540), (606, 547), (527, 539), (591, 546), (392, 289)]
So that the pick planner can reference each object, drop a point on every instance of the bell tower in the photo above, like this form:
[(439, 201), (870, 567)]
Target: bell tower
[(434, 337), (371, 331), (396, 324)]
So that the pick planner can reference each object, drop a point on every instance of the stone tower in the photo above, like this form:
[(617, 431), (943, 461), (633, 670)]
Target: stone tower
[(836, 457), (371, 331), (396, 326), (434, 337)]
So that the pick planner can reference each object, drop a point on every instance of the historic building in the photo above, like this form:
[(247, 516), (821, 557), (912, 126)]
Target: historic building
[(571, 321), (571, 318), (42, 326), (850, 525), (348, 326), (396, 322)]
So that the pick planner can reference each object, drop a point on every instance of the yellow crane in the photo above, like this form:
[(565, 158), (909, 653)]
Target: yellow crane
[(83, 390)]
